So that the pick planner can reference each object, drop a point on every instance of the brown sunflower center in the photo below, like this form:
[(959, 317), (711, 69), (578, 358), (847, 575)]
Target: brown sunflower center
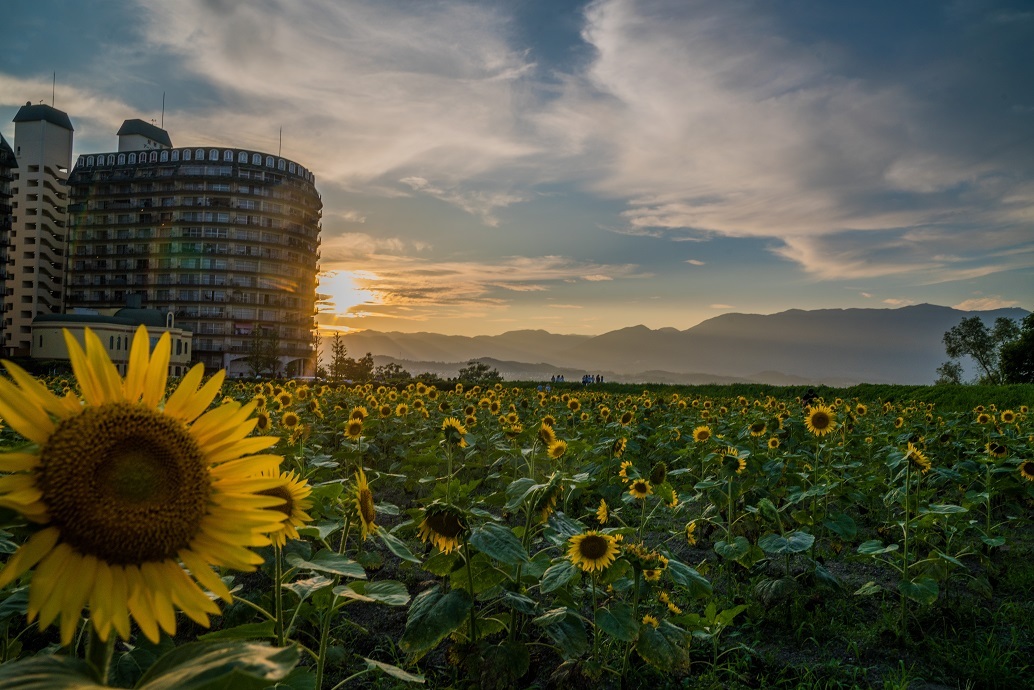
[(445, 524), (366, 507), (287, 507), (593, 547), (820, 420), (124, 483)]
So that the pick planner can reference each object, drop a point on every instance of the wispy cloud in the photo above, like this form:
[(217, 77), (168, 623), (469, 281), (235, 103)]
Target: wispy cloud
[(985, 304), (709, 120)]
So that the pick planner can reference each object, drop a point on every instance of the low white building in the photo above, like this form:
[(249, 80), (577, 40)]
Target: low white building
[(115, 330)]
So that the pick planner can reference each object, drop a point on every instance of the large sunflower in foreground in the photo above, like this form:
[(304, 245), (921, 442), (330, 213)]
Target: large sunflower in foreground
[(592, 551), (294, 492), (820, 420), (134, 500)]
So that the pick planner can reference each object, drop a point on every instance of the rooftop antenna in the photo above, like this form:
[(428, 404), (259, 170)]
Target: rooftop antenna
[(163, 110)]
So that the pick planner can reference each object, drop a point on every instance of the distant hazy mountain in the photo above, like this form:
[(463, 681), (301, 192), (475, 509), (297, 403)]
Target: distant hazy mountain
[(831, 346)]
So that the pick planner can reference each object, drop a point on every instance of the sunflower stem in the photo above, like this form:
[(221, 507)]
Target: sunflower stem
[(344, 537), (278, 593), (98, 654), (595, 630), (470, 581), (321, 659)]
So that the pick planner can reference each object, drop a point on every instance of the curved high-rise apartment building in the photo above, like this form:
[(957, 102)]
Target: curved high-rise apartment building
[(224, 239)]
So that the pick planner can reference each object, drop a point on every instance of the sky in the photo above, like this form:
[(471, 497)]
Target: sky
[(580, 167)]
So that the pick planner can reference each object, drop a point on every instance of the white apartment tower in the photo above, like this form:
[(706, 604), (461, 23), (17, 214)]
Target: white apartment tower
[(36, 261)]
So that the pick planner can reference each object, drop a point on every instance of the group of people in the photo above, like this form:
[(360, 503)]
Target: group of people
[(586, 378)]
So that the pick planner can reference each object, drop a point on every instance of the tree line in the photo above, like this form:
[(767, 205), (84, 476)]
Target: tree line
[(1003, 353)]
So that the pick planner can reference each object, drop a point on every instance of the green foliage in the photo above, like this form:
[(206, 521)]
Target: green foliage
[(972, 338), (478, 374)]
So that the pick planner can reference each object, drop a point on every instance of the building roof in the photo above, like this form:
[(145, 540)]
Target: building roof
[(35, 113), (145, 129), (123, 317)]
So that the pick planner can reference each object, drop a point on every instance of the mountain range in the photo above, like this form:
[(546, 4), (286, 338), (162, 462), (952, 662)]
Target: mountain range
[(837, 347)]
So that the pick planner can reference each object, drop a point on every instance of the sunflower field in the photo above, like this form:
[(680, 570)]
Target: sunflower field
[(208, 534)]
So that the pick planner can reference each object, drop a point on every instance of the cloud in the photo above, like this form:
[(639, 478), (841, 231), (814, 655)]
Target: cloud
[(385, 85), (417, 289), (722, 306), (478, 203), (695, 262), (895, 302), (985, 304), (715, 119)]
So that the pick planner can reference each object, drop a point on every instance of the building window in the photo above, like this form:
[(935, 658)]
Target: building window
[(175, 155), (280, 164), (269, 161), (132, 159), (164, 157), (89, 161), (122, 159), (256, 159), (228, 156), (111, 159), (154, 156), (199, 154), (111, 342), (186, 154), (41, 340), (213, 155)]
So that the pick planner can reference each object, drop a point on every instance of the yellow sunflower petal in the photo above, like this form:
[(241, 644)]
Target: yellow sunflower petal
[(157, 372), (204, 574), (32, 388), (136, 371), (47, 585), (120, 601), (100, 601), (191, 405), (239, 449), (186, 388), (157, 577), (89, 385), (140, 605), (27, 419), (30, 553), (107, 376), (18, 462)]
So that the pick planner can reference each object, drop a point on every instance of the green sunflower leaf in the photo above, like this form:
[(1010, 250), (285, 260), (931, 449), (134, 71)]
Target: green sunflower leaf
[(697, 585), (499, 543), (327, 561), (558, 575), (394, 671), (738, 548), (48, 672), (922, 589), (617, 621), (569, 635), (383, 592), (666, 647), (432, 616), (396, 546), (219, 666), (248, 631)]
